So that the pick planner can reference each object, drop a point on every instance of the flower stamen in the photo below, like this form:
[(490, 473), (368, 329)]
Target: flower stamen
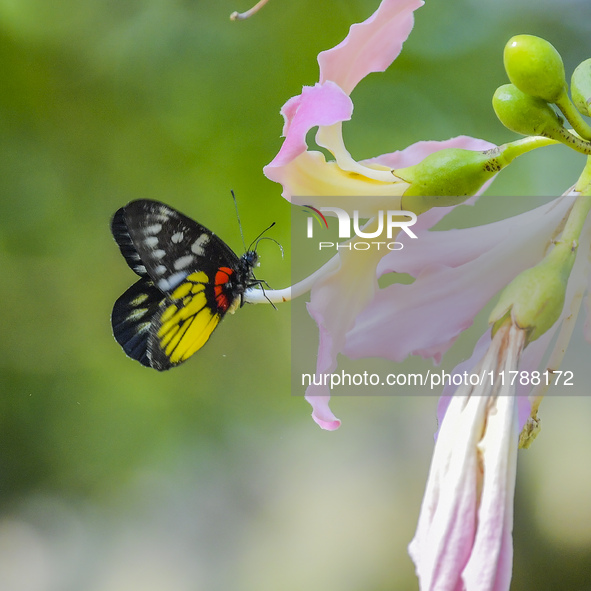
[(241, 16)]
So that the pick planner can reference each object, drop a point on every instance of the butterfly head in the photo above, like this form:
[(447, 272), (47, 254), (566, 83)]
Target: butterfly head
[(250, 259)]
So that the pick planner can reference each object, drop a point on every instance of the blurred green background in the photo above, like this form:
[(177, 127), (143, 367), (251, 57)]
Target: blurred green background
[(212, 476)]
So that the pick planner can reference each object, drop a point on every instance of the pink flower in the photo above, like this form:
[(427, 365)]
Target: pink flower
[(348, 283), (464, 535)]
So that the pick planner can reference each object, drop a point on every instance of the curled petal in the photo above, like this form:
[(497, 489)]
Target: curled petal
[(331, 138), (322, 104), (310, 175), (370, 46), (318, 398)]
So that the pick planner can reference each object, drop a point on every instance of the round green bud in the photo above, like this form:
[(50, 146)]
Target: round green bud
[(580, 87), (523, 113), (535, 67)]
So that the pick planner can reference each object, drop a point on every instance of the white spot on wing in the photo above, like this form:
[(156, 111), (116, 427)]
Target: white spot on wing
[(197, 246), (151, 241), (159, 253), (153, 229), (172, 281), (177, 237), (139, 299), (164, 214), (160, 269), (136, 314), (183, 262)]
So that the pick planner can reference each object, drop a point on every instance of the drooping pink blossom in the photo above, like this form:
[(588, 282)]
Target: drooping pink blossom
[(463, 540)]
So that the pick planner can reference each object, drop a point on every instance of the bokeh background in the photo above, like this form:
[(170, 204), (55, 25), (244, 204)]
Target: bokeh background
[(213, 476)]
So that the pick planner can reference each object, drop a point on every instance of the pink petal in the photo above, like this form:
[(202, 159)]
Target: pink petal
[(370, 46), (425, 317), (318, 398), (335, 301), (419, 151), (454, 248), (322, 104), (447, 523), (490, 564), (530, 361), (480, 349)]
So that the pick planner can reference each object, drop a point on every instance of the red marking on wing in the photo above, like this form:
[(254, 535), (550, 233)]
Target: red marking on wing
[(221, 278)]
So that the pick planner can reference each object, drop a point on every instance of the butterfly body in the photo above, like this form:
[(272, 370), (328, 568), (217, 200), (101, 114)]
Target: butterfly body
[(189, 280)]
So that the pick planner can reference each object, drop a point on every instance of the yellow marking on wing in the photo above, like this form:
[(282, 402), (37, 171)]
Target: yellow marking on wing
[(196, 336), (185, 327), (167, 315), (187, 292), (182, 290), (198, 277)]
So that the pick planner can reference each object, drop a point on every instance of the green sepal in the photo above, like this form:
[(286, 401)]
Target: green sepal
[(448, 177), (535, 298)]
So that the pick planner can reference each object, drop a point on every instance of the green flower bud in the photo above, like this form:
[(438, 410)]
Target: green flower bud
[(535, 67), (525, 114), (581, 87), (535, 298)]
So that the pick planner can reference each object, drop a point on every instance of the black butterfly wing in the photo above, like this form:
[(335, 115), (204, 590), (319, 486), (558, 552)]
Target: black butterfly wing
[(132, 318), (190, 278), (159, 241)]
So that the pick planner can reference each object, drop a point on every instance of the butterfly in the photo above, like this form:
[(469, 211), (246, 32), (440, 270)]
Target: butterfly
[(189, 280)]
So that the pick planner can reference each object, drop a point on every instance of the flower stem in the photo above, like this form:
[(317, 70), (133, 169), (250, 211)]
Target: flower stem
[(278, 296), (570, 235), (511, 150), (573, 116), (584, 183)]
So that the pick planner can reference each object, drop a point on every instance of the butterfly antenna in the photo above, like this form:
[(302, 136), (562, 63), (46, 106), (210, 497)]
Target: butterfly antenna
[(238, 216), (259, 237), (272, 240)]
